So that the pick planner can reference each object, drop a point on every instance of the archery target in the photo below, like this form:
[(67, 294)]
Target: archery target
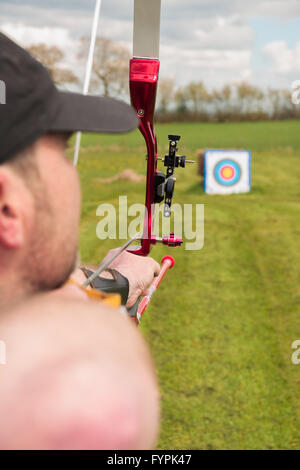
[(227, 171)]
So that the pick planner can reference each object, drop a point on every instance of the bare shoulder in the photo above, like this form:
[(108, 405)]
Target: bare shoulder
[(53, 324), (81, 372)]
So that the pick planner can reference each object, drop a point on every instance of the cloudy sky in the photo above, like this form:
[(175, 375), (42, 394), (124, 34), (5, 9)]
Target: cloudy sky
[(216, 41)]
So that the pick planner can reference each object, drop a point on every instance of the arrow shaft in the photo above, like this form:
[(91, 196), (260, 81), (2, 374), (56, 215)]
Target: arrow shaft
[(88, 72)]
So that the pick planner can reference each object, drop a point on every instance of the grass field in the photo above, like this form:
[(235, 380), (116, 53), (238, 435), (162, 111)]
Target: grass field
[(222, 324)]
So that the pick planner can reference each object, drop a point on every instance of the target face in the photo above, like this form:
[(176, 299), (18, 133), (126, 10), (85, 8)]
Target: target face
[(227, 172)]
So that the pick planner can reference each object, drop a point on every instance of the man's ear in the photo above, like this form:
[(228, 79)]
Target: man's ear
[(13, 201)]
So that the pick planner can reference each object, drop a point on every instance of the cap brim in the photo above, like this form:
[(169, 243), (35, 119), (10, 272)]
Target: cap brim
[(93, 114)]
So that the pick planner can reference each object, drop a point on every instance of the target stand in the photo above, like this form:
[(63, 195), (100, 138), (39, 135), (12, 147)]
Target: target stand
[(227, 171)]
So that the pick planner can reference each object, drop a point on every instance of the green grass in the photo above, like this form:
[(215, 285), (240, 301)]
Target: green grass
[(222, 323)]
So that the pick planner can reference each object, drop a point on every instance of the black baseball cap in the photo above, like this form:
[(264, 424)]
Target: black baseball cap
[(31, 105)]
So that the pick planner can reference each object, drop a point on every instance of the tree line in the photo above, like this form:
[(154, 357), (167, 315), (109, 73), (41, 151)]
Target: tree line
[(193, 102)]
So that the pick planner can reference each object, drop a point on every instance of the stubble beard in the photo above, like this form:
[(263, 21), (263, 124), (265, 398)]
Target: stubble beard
[(51, 257)]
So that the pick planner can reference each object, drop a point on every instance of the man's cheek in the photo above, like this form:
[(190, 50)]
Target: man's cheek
[(71, 195)]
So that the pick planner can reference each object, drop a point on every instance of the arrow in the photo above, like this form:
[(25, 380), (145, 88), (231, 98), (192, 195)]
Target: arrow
[(88, 72)]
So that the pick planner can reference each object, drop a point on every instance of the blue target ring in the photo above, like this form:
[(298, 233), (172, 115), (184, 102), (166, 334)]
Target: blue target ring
[(227, 172)]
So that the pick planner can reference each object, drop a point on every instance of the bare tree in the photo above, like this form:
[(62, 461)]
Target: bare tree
[(249, 96), (50, 57), (222, 96), (197, 94), (110, 68), (165, 93), (281, 102), (181, 100), (222, 102), (226, 93)]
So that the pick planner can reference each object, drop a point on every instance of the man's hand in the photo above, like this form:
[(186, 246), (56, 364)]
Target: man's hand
[(139, 271)]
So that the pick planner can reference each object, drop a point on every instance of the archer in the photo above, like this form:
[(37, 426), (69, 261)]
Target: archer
[(39, 218)]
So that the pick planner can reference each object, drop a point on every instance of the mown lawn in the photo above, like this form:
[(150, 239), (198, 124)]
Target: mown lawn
[(222, 324)]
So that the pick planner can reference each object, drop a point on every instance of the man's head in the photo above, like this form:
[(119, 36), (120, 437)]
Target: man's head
[(39, 188), (39, 214)]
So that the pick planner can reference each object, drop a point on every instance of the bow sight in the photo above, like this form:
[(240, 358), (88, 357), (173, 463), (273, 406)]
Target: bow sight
[(165, 183)]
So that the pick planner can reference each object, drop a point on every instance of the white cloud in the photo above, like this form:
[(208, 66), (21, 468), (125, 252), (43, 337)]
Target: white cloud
[(282, 59), (213, 66), (28, 35), (212, 8), (214, 50), (223, 34), (209, 40), (287, 9)]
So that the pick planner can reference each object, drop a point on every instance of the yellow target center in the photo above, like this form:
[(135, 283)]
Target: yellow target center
[(228, 172)]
